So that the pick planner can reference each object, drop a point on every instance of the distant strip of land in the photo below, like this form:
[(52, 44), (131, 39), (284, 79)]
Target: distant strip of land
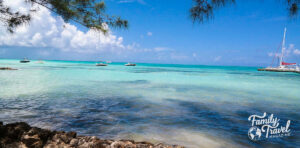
[(7, 68)]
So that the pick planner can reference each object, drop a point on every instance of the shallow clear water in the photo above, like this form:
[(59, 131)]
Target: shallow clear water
[(194, 106)]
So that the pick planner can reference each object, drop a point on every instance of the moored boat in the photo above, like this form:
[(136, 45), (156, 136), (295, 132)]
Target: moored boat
[(101, 64), (25, 60), (283, 66), (130, 64)]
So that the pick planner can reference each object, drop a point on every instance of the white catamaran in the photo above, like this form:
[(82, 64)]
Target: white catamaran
[(283, 66)]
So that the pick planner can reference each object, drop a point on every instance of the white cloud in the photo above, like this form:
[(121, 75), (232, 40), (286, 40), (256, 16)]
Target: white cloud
[(44, 53), (194, 55), (290, 51), (159, 49), (297, 52), (218, 58), (49, 31), (126, 1), (271, 54), (293, 50), (149, 33), (132, 1), (47, 35)]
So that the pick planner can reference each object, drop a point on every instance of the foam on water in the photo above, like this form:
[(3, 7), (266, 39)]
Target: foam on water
[(195, 106)]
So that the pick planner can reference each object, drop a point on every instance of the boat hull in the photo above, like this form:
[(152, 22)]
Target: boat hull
[(101, 64), (24, 61), (130, 64), (278, 70)]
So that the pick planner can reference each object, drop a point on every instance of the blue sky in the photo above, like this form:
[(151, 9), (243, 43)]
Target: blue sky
[(247, 33)]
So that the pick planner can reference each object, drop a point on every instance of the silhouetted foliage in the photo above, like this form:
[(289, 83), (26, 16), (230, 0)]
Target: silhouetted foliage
[(203, 10), (89, 13)]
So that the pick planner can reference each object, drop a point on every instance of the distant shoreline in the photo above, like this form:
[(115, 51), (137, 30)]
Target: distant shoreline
[(7, 68), (149, 63)]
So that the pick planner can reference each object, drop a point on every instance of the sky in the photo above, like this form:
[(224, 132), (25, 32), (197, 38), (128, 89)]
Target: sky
[(247, 33)]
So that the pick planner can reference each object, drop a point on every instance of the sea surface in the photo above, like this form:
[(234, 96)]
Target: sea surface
[(193, 106)]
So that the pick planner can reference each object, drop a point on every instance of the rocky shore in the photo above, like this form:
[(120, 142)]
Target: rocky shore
[(22, 135)]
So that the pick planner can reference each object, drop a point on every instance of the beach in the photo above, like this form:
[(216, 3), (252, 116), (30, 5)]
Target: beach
[(188, 105)]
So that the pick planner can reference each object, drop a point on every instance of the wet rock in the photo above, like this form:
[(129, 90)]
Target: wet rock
[(72, 134), (32, 141), (21, 135), (74, 142)]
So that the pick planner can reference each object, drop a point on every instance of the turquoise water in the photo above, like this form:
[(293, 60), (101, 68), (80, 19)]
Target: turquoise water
[(194, 106)]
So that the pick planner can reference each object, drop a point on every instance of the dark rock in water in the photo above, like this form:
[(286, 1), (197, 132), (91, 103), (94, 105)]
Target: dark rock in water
[(7, 68), (21, 135)]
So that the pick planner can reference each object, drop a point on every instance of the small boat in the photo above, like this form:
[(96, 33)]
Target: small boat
[(130, 64), (25, 60), (108, 62), (101, 64)]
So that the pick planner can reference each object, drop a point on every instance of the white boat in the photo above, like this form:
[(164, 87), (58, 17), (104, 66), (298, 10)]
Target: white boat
[(283, 66), (130, 64), (25, 60), (101, 64)]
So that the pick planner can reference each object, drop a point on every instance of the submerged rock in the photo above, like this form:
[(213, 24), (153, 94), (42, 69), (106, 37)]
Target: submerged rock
[(7, 68), (21, 135)]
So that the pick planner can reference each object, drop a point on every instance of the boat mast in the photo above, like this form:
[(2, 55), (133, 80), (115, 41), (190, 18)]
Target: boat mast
[(282, 47)]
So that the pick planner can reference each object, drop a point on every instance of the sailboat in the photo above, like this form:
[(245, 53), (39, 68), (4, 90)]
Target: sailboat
[(283, 66)]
